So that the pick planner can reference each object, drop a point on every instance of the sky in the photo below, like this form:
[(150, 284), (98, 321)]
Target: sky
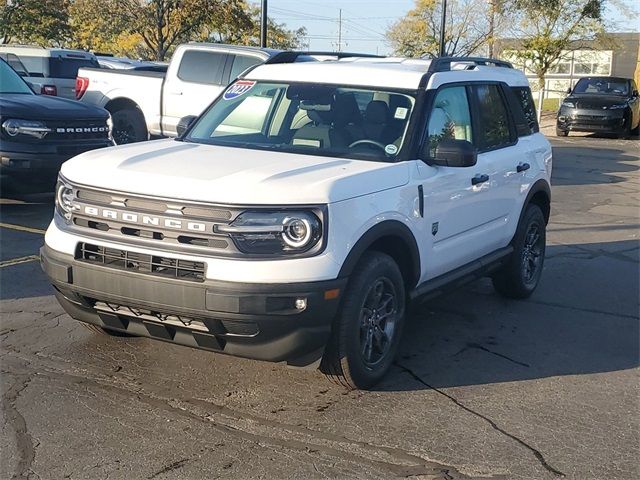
[(364, 22)]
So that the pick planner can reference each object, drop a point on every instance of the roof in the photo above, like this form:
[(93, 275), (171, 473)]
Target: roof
[(42, 52), (396, 73)]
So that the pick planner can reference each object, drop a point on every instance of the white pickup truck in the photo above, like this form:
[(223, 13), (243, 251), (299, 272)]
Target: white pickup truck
[(153, 103)]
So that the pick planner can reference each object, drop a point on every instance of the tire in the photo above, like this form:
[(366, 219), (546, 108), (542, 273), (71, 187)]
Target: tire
[(561, 133), (519, 277), (129, 126), (104, 331), (375, 287), (626, 131)]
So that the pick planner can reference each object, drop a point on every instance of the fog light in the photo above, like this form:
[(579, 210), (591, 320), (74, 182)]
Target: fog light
[(562, 118), (301, 303)]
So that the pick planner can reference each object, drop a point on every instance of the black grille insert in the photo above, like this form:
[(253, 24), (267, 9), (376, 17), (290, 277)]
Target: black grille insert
[(141, 263)]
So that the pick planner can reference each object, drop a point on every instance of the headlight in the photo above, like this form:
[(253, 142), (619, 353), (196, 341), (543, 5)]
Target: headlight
[(65, 196), (616, 107), (287, 232), (14, 126), (568, 104)]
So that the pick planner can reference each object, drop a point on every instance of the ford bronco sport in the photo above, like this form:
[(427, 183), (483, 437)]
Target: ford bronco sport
[(299, 215)]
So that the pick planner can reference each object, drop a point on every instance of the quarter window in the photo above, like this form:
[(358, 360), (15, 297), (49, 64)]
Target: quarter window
[(202, 67), (450, 118), (493, 118), (524, 98)]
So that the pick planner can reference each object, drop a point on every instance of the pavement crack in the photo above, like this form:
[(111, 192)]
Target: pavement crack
[(24, 441), (485, 349), (168, 468), (536, 453)]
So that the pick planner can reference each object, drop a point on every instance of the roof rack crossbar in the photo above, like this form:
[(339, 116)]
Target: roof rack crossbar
[(443, 64)]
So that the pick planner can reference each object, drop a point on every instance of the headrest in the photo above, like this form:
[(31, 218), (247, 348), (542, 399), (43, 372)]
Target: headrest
[(377, 112), (345, 109)]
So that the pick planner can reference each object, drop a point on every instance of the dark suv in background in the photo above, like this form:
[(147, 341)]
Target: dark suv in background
[(600, 104)]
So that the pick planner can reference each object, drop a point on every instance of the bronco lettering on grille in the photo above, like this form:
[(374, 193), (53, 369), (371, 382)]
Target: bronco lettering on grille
[(144, 219)]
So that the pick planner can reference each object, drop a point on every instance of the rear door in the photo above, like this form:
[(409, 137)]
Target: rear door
[(193, 81)]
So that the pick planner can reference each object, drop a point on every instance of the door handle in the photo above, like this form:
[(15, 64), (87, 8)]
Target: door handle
[(175, 92), (522, 167), (478, 179)]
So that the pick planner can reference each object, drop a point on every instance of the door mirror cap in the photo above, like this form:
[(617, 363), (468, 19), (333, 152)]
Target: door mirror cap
[(455, 153), (569, 91), (184, 124)]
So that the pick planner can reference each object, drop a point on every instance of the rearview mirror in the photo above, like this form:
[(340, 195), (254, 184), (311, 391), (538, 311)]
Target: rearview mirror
[(455, 153), (184, 124)]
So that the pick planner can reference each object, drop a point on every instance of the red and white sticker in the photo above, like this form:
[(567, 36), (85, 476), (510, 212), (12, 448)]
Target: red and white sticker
[(237, 89)]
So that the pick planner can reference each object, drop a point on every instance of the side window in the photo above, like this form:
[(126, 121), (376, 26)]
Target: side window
[(525, 99), (199, 66), (241, 63), (450, 118), (493, 118)]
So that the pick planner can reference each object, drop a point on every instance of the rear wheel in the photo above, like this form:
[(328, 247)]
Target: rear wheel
[(368, 327), (129, 126), (561, 133), (520, 276), (105, 331)]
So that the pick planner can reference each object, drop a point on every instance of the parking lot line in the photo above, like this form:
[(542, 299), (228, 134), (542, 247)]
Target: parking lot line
[(21, 228), (19, 260)]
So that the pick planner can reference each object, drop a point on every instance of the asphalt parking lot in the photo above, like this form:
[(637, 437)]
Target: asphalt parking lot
[(483, 387)]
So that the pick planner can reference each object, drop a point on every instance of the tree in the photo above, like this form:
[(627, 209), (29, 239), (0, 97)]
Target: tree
[(549, 28), (417, 34), (43, 22), (245, 29)]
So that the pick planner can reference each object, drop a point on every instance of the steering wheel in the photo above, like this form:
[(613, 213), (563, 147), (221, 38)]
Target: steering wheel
[(369, 142)]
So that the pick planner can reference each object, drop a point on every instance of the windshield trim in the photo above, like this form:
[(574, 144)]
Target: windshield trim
[(400, 156)]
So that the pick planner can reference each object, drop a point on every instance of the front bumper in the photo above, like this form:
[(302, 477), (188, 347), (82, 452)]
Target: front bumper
[(256, 321), (42, 159), (578, 120)]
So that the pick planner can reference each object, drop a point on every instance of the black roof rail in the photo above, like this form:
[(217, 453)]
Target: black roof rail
[(443, 64), (290, 56)]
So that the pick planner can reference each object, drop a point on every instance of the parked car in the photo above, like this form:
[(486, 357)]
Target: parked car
[(300, 232), (123, 63), (600, 104), (39, 132), (51, 71), (153, 103)]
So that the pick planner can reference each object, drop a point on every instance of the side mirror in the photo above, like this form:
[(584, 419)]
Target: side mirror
[(455, 153), (634, 93), (184, 124), (569, 91)]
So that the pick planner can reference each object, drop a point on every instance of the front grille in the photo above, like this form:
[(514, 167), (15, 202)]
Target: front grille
[(141, 263), (61, 130)]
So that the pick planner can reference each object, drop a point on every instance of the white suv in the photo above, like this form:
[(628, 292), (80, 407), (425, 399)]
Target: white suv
[(298, 216)]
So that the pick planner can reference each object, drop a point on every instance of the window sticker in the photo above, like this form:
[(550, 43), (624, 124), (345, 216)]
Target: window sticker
[(237, 89), (401, 113), (391, 149)]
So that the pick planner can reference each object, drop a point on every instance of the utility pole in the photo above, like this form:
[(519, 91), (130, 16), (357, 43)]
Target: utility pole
[(443, 25), (340, 30), (263, 25), (492, 25)]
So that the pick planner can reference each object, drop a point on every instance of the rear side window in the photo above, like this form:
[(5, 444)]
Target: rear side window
[(241, 63), (525, 99), (202, 67), (493, 118), (65, 67)]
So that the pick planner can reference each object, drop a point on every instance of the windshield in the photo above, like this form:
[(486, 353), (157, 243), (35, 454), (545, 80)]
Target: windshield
[(314, 119), (602, 86), (10, 81)]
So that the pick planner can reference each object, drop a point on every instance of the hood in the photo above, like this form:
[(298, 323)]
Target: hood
[(596, 102), (45, 107), (225, 175)]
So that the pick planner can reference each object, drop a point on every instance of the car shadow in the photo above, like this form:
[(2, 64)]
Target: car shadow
[(582, 319), (577, 164)]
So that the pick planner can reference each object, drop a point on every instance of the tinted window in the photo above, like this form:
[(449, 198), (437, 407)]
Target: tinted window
[(450, 118), (241, 63), (15, 63), (64, 67), (528, 109), (493, 121), (202, 67), (10, 81), (35, 65), (602, 86)]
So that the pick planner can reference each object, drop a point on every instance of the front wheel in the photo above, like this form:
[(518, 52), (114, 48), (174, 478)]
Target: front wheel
[(368, 327), (561, 133), (129, 126), (519, 277)]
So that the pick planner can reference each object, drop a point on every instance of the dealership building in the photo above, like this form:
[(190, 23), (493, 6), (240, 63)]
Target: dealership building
[(617, 57)]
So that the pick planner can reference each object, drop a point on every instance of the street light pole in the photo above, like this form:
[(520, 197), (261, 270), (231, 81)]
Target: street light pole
[(443, 24), (263, 25)]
